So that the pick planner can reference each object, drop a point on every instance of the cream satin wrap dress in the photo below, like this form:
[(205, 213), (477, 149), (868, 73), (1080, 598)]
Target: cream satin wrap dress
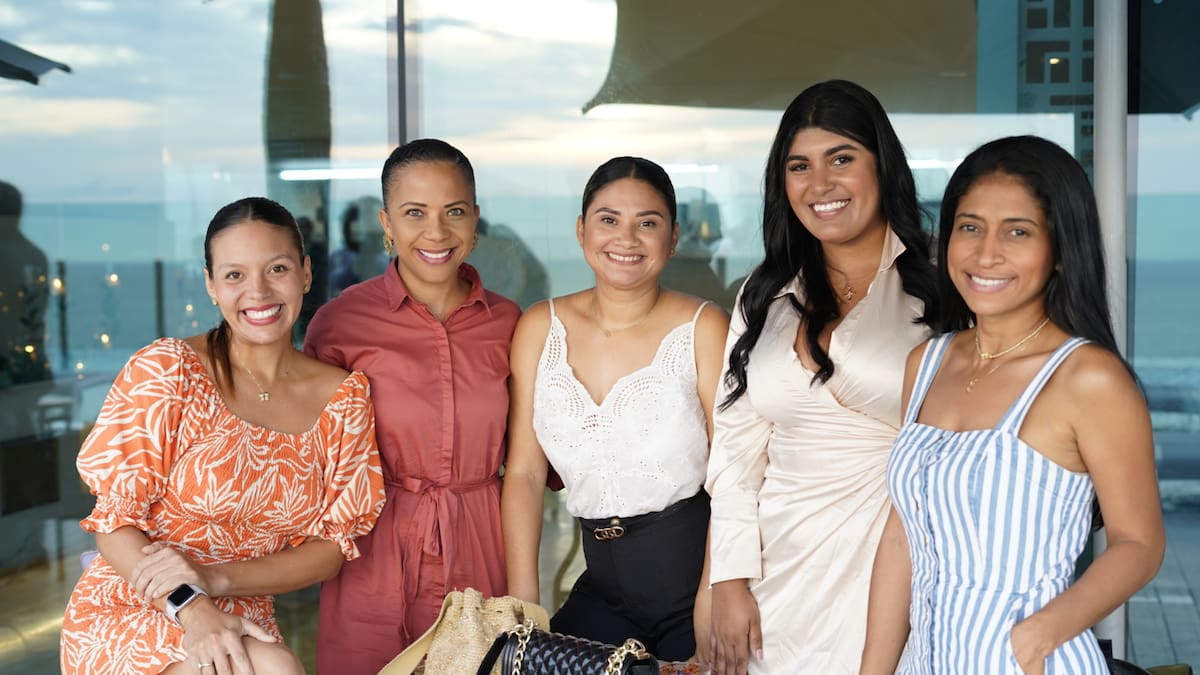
[(797, 470)]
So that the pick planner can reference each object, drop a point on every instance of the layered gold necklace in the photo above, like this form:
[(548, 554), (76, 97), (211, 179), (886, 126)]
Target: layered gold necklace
[(984, 357)]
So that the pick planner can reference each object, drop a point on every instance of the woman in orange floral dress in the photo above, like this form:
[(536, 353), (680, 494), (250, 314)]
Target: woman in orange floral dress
[(227, 467)]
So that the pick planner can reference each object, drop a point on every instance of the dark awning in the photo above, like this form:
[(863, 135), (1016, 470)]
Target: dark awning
[(21, 64), (916, 55)]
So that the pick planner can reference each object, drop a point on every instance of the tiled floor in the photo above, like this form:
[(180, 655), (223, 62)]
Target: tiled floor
[(1164, 619)]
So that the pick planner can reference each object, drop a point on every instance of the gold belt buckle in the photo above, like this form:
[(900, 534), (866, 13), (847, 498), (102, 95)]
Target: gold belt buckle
[(613, 531)]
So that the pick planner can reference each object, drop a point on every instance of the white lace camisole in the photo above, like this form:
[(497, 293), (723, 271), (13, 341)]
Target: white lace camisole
[(643, 448)]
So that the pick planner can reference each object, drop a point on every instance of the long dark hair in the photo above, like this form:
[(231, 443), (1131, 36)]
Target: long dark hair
[(243, 210), (1076, 300), (637, 168), (1075, 294), (846, 109)]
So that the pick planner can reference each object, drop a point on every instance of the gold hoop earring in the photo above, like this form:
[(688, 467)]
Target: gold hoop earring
[(387, 243), (475, 239)]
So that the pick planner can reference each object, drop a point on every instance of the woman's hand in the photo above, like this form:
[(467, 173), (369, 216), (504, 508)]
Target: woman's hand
[(1027, 648), (702, 627), (736, 628), (164, 569), (214, 637)]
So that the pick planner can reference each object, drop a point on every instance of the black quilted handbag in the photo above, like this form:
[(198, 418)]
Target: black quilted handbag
[(525, 650)]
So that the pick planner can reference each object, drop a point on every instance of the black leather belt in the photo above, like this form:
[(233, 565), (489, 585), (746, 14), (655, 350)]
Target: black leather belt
[(607, 529)]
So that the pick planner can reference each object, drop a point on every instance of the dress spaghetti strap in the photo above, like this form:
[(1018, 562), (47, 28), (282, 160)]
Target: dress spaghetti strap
[(931, 361), (1012, 420)]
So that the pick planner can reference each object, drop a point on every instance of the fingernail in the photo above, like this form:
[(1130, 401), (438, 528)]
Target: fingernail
[(758, 654)]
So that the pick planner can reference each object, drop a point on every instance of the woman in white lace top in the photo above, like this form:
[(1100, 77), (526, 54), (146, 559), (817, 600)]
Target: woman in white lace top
[(614, 386)]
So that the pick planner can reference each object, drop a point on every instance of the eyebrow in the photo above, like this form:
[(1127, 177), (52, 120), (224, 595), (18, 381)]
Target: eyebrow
[(831, 151), (424, 205), (1012, 219), (639, 214), (284, 256)]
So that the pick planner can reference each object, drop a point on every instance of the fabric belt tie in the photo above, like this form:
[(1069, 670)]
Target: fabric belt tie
[(432, 509)]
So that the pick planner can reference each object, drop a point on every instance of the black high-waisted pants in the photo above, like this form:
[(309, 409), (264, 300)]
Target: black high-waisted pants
[(643, 583)]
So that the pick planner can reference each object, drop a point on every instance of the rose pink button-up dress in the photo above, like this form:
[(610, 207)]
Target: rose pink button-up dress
[(441, 401)]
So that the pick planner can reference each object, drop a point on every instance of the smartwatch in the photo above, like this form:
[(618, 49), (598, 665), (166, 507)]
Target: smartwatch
[(181, 597)]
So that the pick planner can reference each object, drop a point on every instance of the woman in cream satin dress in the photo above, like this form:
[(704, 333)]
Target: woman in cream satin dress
[(810, 400)]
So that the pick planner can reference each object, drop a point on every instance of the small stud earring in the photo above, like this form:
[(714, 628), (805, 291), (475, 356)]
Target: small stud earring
[(475, 239), (214, 300)]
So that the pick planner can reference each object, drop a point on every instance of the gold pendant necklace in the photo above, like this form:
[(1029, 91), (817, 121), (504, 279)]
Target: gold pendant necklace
[(263, 395), (846, 294), (984, 357)]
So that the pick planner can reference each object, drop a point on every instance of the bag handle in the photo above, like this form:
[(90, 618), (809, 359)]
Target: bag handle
[(614, 666), (493, 654)]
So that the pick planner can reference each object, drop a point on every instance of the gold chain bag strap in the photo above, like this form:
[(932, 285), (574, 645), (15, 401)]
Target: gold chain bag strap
[(528, 651)]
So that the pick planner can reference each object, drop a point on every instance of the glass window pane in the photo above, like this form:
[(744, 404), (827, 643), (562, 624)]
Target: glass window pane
[(169, 111)]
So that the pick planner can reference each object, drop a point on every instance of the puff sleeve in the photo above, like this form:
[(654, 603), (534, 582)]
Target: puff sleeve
[(126, 458), (736, 467), (354, 494)]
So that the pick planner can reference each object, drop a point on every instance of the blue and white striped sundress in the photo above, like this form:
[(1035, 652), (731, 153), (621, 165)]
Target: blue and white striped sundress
[(994, 529)]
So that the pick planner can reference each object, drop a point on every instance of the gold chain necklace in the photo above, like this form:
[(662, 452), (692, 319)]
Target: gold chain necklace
[(847, 292), (609, 332), (988, 356), (263, 394)]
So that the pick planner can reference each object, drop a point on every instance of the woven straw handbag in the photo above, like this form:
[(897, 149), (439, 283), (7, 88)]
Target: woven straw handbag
[(465, 629)]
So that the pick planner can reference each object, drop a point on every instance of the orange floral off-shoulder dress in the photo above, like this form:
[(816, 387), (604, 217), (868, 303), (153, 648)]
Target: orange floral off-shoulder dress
[(168, 457)]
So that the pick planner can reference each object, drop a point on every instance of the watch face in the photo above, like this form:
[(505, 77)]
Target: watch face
[(179, 595)]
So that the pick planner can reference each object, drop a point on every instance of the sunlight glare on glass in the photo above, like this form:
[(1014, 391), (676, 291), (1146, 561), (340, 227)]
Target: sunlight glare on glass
[(360, 173)]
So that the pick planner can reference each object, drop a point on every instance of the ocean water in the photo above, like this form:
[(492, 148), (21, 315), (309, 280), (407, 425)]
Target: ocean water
[(129, 274)]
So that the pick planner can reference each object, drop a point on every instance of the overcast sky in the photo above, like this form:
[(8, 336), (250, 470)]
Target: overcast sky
[(165, 101)]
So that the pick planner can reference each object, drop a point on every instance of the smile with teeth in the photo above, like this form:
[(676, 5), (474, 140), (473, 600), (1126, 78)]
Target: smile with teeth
[(262, 314), (988, 283), (435, 255), (828, 207), (624, 258)]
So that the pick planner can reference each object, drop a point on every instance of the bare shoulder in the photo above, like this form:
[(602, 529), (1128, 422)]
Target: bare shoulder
[(199, 344), (319, 372), (713, 323), (916, 355), (535, 318), (684, 307), (530, 335), (1093, 373), (570, 305)]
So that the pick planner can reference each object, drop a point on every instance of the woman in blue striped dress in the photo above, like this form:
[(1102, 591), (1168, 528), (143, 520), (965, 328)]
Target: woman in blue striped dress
[(1019, 419)]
